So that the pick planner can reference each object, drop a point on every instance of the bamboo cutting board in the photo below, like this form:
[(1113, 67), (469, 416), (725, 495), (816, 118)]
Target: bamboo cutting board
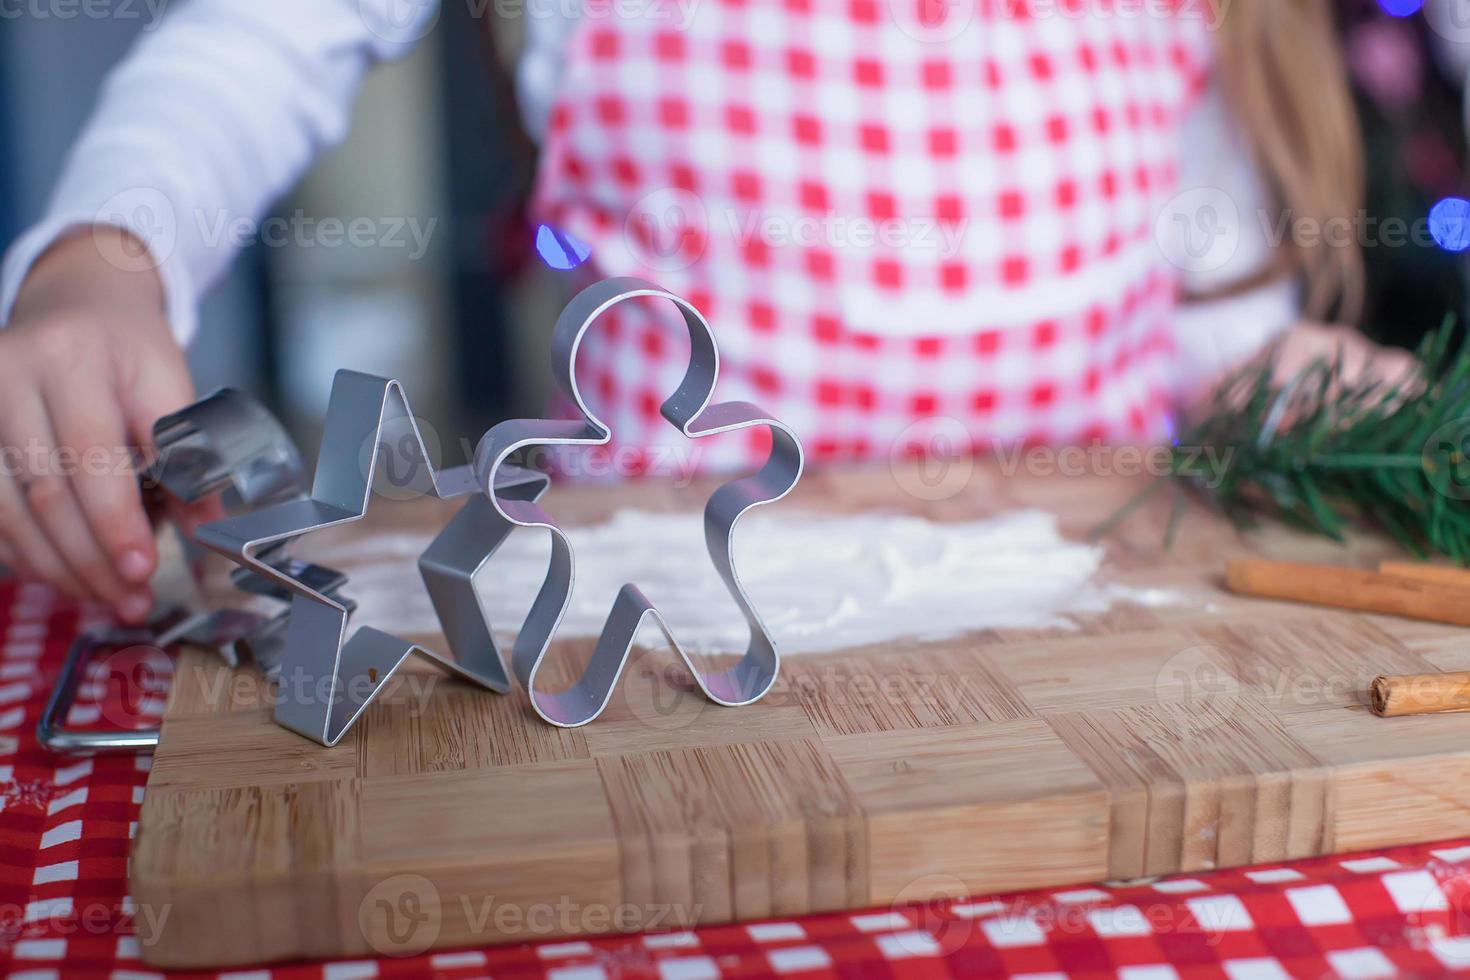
[(1212, 732)]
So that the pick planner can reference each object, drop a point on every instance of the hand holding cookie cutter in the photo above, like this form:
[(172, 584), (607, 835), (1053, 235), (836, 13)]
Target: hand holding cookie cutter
[(226, 443), (689, 410)]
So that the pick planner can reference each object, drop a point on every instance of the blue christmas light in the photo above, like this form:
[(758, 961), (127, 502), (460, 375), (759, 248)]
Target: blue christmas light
[(1449, 223), (1401, 8), (559, 249)]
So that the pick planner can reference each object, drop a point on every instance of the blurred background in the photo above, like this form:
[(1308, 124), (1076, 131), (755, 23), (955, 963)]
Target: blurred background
[(436, 141), (1408, 61), (435, 158)]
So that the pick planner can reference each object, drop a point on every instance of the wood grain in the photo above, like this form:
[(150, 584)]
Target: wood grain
[(1214, 731)]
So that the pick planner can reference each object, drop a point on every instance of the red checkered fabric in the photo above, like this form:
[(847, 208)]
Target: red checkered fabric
[(66, 824), (893, 211)]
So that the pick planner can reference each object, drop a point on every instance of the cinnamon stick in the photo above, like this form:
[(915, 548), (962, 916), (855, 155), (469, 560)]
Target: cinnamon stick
[(1350, 588), (1443, 574), (1419, 694)]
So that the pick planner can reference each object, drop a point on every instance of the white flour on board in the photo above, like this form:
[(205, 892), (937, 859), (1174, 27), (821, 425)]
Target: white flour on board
[(821, 582)]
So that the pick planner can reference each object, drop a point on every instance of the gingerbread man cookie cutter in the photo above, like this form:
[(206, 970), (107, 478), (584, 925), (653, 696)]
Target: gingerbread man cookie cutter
[(689, 410)]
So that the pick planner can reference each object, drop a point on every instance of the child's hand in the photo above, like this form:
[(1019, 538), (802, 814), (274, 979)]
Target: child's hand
[(1362, 359), (86, 366), (1305, 342)]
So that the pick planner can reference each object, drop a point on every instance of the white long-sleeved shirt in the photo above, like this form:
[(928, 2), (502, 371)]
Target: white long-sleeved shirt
[(220, 110)]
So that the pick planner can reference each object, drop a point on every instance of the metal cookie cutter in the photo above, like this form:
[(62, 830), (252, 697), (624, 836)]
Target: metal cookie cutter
[(688, 409), (225, 443), (230, 444), (327, 680)]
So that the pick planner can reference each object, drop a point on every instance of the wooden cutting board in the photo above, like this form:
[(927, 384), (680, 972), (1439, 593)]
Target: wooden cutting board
[(1208, 733)]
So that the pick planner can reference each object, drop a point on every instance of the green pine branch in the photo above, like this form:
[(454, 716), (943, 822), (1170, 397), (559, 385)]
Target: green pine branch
[(1324, 453)]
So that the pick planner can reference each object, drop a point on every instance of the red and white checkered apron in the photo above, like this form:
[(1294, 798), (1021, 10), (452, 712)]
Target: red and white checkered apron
[(904, 218)]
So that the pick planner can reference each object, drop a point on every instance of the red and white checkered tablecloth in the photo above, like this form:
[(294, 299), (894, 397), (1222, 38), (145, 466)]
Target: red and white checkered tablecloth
[(65, 826)]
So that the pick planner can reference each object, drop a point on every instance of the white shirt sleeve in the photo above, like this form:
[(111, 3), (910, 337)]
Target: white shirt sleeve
[(1218, 230), (209, 119)]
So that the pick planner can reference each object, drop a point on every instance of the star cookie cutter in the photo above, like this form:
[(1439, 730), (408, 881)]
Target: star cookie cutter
[(690, 411), (327, 679)]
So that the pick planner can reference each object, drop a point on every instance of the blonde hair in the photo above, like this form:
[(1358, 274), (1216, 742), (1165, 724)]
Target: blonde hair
[(1283, 75)]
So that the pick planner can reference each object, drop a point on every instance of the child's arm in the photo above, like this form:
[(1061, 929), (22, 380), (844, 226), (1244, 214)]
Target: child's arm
[(208, 120)]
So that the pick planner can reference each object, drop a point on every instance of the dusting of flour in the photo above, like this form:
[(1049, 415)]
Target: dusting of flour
[(821, 582)]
